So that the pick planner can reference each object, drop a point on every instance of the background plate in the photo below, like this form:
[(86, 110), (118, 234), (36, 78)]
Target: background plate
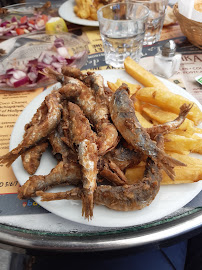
[(168, 200), (66, 11)]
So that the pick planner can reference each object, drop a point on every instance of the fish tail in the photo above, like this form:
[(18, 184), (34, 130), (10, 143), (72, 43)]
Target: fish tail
[(168, 163), (10, 157), (87, 205), (52, 74), (184, 109)]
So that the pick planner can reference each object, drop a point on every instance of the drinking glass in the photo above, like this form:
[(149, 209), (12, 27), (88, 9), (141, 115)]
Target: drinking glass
[(122, 29), (157, 9)]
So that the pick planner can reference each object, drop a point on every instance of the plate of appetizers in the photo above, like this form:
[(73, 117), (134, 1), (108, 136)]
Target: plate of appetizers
[(169, 199)]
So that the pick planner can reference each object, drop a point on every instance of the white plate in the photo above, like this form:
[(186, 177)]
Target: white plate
[(168, 200), (66, 11)]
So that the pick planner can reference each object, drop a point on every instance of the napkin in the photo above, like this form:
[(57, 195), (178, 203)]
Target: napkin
[(192, 9)]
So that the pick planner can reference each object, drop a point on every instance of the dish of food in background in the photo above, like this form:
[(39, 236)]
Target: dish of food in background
[(198, 5), (22, 69), (66, 11), (165, 202), (87, 9), (25, 18)]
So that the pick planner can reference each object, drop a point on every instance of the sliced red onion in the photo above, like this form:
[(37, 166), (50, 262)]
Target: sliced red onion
[(13, 33), (8, 34), (40, 77), (59, 42), (47, 59), (12, 80), (40, 25), (60, 59), (21, 82), (42, 65), (70, 61), (32, 76), (10, 70), (3, 77), (63, 52), (19, 74), (5, 23), (13, 19), (31, 25), (56, 65), (32, 62)]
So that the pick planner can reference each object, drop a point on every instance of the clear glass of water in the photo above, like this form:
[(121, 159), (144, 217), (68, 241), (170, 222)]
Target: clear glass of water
[(122, 29), (157, 9)]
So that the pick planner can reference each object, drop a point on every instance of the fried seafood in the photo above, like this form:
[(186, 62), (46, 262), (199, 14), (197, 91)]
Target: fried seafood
[(73, 72), (90, 96), (172, 125), (63, 173), (120, 198), (85, 139), (107, 133), (69, 173), (124, 157), (31, 158), (95, 136), (123, 115), (60, 149), (43, 8), (43, 123), (110, 171)]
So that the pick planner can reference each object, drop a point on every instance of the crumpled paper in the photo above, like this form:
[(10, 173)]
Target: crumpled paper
[(186, 8)]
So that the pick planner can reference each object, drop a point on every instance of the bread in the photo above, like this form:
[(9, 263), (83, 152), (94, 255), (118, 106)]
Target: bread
[(169, 17)]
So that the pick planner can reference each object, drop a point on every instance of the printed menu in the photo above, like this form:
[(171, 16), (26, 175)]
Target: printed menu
[(11, 105)]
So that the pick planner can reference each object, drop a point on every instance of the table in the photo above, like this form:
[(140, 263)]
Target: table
[(26, 227)]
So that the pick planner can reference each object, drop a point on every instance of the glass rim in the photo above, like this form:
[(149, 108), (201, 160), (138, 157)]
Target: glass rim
[(123, 3)]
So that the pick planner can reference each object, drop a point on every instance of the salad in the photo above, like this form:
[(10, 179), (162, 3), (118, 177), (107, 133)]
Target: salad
[(23, 25), (32, 72)]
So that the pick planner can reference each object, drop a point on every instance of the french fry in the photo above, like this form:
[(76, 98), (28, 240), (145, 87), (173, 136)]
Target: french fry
[(137, 105), (168, 101), (181, 133), (142, 75), (134, 174), (163, 116), (189, 174), (143, 121), (87, 9), (133, 87), (112, 86), (187, 159), (182, 144)]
